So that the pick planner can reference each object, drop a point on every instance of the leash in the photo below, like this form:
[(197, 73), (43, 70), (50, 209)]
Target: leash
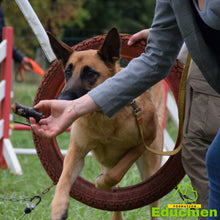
[(34, 201), (181, 102)]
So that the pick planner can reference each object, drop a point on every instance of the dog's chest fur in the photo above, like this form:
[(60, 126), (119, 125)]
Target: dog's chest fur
[(108, 138)]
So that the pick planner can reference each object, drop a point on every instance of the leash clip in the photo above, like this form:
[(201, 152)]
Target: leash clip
[(30, 207), (135, 107)]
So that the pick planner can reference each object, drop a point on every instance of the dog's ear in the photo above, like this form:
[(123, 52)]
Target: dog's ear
[(110, 49), (61, 50)]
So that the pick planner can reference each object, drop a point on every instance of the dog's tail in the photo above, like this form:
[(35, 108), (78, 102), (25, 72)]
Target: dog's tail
[(158, 92)]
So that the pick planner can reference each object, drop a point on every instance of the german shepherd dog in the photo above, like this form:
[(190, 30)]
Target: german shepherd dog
[(114, 142)]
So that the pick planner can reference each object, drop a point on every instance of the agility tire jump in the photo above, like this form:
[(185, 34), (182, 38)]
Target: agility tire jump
[(117, 199)]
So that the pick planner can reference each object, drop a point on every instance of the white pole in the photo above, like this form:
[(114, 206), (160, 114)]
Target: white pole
[(37, 28), (11, 158)]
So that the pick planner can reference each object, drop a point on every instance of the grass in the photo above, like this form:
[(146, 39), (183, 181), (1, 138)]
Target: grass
[(34, 179)]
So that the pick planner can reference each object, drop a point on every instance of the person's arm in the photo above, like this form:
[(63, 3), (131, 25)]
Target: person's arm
[(163, 46), (2, 22), (141, 35), (18, 56)]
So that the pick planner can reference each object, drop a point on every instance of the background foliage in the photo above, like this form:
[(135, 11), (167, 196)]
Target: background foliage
[(54, 15), (76, 20)]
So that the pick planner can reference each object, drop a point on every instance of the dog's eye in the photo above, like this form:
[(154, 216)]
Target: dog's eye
[(68, 72), (89, 75)]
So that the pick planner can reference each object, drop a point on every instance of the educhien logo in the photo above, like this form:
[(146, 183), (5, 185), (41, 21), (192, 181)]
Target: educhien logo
[(185, 190), (187, 209)]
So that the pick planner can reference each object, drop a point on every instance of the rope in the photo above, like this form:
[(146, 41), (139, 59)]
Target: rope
[(181, 101)]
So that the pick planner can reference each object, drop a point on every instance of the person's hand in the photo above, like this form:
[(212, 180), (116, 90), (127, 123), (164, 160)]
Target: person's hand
[(141, 35), (24, 61), (59, 115)]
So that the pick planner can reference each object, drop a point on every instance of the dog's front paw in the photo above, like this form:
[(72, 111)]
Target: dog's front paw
[(59, 209), (100, 183), (62, 217)]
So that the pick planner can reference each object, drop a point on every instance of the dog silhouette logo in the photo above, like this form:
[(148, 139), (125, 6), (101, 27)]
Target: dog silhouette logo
[(186, 192)]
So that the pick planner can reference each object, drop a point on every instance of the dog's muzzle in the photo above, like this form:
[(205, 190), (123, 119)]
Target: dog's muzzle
[(71, 94)]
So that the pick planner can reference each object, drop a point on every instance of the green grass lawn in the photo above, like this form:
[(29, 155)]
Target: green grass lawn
[(34, 179)]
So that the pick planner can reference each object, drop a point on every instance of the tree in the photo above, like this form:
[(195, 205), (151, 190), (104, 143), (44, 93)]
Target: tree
[(127, 16), (76, 20), (55, 15)]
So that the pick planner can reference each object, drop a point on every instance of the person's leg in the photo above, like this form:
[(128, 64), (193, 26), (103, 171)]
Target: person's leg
[(193, 159), (194, 146), (213, 169), (201, 124)]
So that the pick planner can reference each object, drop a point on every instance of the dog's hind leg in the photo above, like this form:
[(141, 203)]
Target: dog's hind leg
[(147, 165), (73, 164), (116, 215)]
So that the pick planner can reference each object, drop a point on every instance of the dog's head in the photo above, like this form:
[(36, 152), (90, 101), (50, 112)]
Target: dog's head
[(84, 70)]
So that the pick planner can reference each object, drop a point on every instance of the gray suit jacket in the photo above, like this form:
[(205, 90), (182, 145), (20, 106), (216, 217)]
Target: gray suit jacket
[(173, 24)]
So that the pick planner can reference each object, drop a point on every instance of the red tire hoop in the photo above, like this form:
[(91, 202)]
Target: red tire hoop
[(118, 199)]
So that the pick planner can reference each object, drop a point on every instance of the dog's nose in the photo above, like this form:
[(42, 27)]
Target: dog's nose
[(64, 97), (71, 95), (67, 95)]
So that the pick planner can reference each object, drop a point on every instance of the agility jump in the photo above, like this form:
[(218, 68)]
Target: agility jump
[(7, 155)]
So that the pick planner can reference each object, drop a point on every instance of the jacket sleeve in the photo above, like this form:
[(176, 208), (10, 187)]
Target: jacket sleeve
[(17, 55), (2, 22), (164, 43)]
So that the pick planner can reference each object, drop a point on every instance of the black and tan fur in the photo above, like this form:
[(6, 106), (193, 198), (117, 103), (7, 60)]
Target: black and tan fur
[(114, 142)]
